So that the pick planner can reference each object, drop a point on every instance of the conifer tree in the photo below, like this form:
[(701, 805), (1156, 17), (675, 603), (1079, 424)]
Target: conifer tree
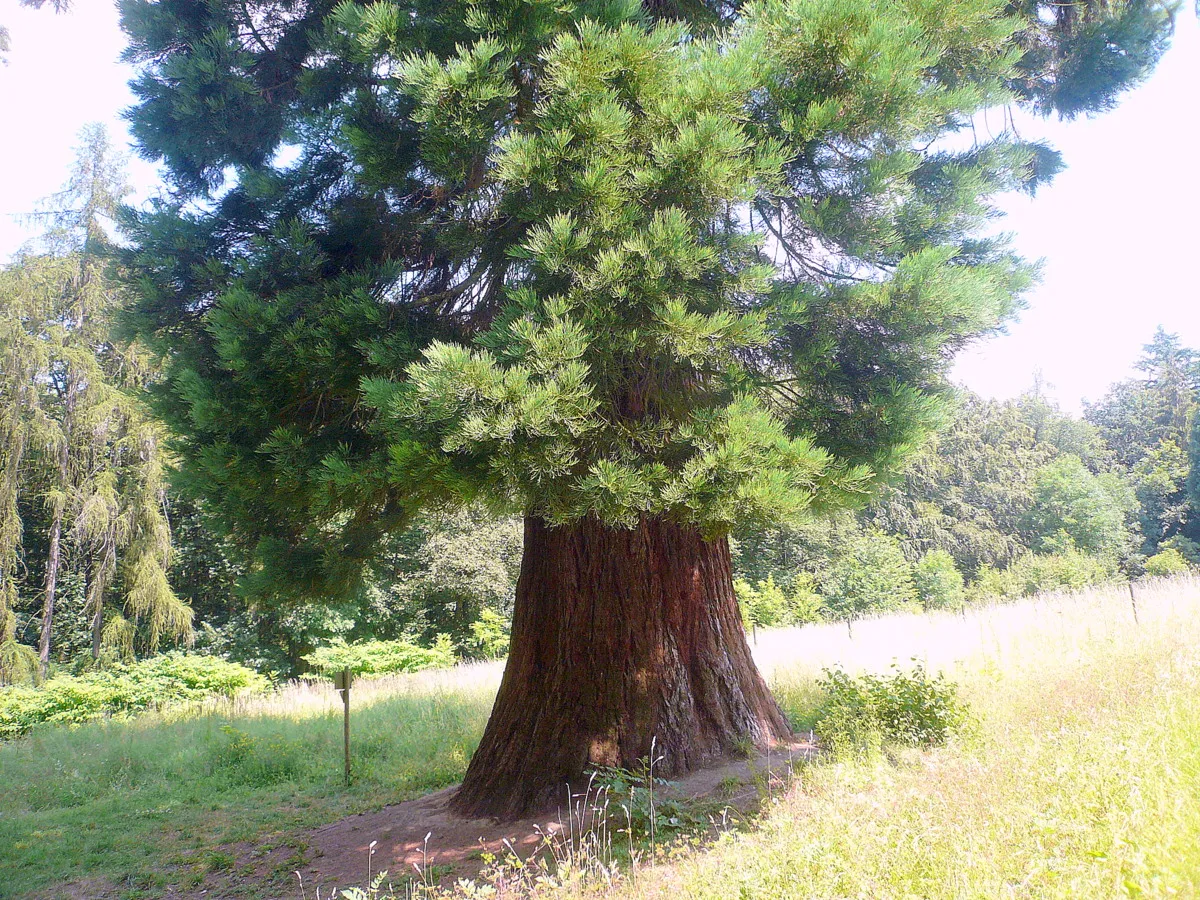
[(636, 271), (1192, 481), (71, 430), (1149, 423)]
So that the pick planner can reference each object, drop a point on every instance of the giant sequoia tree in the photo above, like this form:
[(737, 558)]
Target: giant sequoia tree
[(636, 271)]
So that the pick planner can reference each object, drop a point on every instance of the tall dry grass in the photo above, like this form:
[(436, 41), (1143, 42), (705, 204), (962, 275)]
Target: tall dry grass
[(1000, 631), (1079, 776), (315, 698)]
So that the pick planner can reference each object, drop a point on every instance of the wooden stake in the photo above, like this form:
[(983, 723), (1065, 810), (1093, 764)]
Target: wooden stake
[(342, 681), (1133, 603)]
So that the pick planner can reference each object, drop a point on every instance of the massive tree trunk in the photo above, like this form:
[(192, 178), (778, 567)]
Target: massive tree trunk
[(619, 638)]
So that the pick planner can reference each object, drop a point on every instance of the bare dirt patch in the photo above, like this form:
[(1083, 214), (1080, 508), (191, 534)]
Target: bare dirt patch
[(424, 836)]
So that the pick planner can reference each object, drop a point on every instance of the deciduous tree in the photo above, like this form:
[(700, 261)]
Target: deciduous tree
[(1074, 509)]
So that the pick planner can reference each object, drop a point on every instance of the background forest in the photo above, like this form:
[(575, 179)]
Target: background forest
[(106, 553)]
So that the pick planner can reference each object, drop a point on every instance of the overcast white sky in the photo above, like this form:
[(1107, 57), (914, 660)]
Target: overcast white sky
[(1119, 230)]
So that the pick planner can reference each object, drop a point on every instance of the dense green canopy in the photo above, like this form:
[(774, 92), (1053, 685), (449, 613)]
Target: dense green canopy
[(702, 260)]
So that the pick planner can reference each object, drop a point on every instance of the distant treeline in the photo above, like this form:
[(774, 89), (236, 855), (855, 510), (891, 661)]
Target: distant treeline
[(1010, 498)]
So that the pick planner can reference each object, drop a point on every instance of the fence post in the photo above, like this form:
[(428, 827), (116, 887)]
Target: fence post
[(342, 681), (1133, 603)]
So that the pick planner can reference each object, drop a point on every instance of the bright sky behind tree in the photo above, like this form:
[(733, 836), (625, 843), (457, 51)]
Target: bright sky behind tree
[(1119, 230)]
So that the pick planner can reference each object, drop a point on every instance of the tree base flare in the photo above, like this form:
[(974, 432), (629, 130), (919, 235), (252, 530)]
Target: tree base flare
[(621, 638)]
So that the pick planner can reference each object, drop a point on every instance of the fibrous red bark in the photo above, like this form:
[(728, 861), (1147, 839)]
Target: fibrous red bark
[(620, 638)]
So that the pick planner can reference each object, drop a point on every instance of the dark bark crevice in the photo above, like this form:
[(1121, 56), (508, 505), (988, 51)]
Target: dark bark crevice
[(620, 637)]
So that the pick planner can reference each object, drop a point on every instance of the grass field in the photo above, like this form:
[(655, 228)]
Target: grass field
[(1077, 777), (149, 802)]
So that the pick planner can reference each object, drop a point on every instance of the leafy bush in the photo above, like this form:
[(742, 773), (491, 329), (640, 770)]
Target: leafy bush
[(992, 583), (382, 657), (489, 636), (763, 605), (648, 807), (1167, 562), (939, 583), (907, 708), (805, 604), (1069, 570), (874, 577), (123, 689), (767, 605), (1186, 548)]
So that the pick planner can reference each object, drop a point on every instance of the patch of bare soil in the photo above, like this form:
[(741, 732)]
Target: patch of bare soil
[(424, 836)]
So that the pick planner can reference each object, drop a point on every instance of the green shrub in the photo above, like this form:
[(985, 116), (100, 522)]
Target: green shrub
[(1167, 562), (1070, 570), (382, 657), (805, 604), (763, 605), (1186, 548), (767, 605), (873, 577), (939, 583), (123, 689), (992, 583), (907, 708), (648, 807), (489, 635), (202, 675)]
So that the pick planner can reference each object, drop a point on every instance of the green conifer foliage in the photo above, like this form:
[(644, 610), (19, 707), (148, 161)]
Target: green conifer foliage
[(688, 259), (1149, 422), (639, 270), (1080, 56), (1192, 482), (72, 435)]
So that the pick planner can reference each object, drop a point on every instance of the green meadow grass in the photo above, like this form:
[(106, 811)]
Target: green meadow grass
[(1077, 776), (144, 802)]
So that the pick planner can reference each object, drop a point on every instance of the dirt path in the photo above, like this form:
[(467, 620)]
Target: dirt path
[(423, 836)]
